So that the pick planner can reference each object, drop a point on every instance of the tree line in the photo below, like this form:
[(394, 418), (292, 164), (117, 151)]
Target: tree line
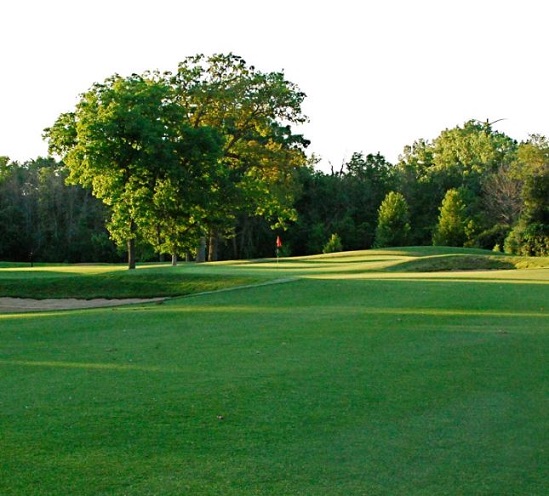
[(203, 163), (471, 186), (44, 219)]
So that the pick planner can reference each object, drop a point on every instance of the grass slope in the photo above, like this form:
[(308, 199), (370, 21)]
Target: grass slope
[(357, 382), (113, 282)]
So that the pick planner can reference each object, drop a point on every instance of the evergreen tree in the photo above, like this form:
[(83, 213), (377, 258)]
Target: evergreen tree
[(452, 221), (393, 227)]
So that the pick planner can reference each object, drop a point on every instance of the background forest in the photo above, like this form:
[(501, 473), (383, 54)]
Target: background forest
[(470, 186)]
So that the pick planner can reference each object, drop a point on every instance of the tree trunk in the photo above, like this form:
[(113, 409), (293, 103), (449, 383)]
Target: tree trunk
[(213, 246), (174, 259), (235, 248), (201, 254), (131, 253)]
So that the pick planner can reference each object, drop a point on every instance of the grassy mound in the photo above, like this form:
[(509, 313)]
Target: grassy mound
[(442, 259), (410, 260), (439, 263)]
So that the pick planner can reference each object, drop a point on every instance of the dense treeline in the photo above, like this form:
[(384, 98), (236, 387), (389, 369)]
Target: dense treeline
[(43, 219), (206, 156), (470, 186)]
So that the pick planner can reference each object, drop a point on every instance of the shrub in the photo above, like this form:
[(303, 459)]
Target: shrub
[(528, 240), (489, 238), (333, 245)]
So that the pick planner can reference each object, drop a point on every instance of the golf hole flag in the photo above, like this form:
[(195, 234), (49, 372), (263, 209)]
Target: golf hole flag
[(278, 242)]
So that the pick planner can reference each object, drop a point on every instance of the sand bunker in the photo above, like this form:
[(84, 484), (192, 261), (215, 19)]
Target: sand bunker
[(31, 305)]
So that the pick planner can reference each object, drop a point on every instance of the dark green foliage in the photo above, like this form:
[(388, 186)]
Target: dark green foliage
[(528, 240), (530, 236), (490, 238), (344, 201), (503, 188), (42, 219), (321, 206)]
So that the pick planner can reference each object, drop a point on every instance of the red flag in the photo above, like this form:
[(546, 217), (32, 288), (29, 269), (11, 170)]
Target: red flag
[(278, 242)]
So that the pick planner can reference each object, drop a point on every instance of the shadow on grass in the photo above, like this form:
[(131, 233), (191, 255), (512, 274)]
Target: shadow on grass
[(466, 262), (117, 284)]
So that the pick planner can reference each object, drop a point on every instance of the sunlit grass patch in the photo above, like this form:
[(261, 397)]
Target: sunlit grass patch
[(78, 365)]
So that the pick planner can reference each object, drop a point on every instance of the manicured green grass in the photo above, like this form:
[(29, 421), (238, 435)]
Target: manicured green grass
[(113, 282), (357, 382)]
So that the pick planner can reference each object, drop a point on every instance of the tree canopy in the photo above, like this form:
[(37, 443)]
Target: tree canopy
[(207, 160), (177, 155), (503, 198)]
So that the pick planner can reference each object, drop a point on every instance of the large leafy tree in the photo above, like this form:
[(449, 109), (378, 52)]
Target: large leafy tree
[(467, 153), (464, 157), (178, 155), (420, 188), (131, 142), (254, 112), (530, 235)]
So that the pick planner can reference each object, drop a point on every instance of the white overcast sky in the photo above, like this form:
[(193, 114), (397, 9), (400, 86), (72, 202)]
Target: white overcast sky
[(378, 74)]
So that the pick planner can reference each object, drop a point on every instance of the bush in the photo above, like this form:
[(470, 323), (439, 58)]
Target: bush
[(528, 240), (495, 236), (333, 245)]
